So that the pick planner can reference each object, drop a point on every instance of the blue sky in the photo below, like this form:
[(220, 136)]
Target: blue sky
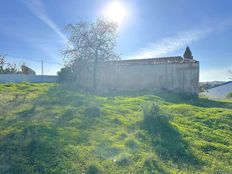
[(32, 30)]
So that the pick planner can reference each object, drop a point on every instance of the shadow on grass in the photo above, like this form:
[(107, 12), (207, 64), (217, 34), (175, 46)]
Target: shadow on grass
[(63, 104), (27, 113), (36, 145), (178, 98), (169, 144), (32, 149), (167, 141), (192, 100), (60, 96)]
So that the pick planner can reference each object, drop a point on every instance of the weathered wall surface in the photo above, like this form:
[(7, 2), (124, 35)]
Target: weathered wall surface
[(182, 77), (17, 78)]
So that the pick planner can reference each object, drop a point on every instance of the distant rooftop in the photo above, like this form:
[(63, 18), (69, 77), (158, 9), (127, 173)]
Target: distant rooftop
[(158, 60), (223, 84)]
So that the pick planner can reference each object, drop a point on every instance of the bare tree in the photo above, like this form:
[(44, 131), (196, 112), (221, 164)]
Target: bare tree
[(2, 63), (91, 43), (7, 67)]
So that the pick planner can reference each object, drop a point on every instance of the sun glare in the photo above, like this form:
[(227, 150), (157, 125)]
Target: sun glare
[(115, 12)]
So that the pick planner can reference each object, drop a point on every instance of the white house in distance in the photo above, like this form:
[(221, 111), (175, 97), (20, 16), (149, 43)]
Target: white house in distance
[(219, 92)]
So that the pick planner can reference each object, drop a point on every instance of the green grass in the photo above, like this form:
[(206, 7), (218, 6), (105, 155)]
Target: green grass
[(50, 129)]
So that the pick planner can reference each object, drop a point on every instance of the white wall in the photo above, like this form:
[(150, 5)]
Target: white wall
[(17, 78), (177, 77)]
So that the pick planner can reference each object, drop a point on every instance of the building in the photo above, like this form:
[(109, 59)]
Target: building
[(177, 74), (28, 71)]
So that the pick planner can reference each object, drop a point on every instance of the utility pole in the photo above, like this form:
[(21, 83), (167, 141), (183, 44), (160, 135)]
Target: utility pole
[(42, 67)]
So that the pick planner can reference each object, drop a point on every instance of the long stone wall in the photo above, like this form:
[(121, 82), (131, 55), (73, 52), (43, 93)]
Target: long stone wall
[(17, 78), (177, 77)]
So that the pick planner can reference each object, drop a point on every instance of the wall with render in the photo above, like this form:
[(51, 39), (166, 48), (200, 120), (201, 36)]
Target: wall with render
[(177, 77), (17, 78)]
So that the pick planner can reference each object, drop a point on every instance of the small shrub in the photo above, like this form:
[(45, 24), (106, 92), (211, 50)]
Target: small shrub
[(154, 118), (66, 75), (151, 110)]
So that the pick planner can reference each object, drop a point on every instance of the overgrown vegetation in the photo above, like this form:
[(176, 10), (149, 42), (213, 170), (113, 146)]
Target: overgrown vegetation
[(204, 86), (47, 128), (7, 67)]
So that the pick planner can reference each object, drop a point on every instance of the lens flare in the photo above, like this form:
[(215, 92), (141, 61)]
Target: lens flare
[(115, 12)]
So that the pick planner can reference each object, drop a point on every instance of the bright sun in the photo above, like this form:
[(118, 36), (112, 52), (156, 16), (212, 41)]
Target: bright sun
[(115, 12)]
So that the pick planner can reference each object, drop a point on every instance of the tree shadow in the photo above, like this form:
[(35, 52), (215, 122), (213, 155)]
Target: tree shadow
[(152, 166), (27, 113), (32, 149), (207, 103), (74, 104), (180, 98), (168, 142), (177, 98), (36, 145), (60, 96)]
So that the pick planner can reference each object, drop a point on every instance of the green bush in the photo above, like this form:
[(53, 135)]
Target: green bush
[(154, 118), (65, 75)]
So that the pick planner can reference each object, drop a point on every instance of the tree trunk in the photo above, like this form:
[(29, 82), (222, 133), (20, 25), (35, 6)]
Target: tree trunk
[(95, 72), (94, 76)]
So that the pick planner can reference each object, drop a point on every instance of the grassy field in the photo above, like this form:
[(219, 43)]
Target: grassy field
[(49, 129)]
